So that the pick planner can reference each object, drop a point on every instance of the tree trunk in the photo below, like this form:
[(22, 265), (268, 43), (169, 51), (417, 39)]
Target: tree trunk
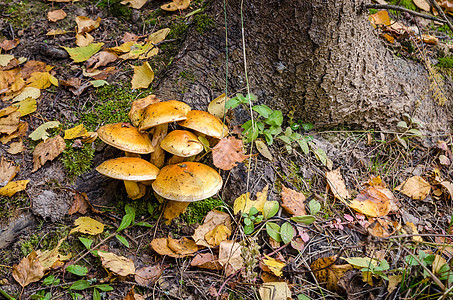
[(320, 58)]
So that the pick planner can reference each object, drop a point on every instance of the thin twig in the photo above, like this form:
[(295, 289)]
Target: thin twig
[(442, 14), (396, 7)]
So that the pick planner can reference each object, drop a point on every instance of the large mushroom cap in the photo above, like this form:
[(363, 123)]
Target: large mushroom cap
[(188, 181), (125, 137), (163, 112), (181, 143), (206, 123), (128, 168)]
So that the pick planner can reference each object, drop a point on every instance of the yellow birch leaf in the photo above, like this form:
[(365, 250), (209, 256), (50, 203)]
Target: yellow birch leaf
[(415, 187), (76, 132), (143, 76), (119, 265), (244, 204), (176, 5), (81, 54), (87, 225), (26, 106), (13, 187), (56, 32), (159, 36), (28, 92), (41, 80), (217, 235), (274, 265), (5, 59), (16, 147), (48, 258), (137, 4)]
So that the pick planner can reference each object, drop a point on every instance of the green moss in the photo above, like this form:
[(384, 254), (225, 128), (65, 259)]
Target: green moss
[(196, 211), (444, 28), (372, 11), (112, 104), (188, 75), (445, 62), (177, 30), (409, 4), (77, 161), (9, 205), (202, 23), (115, 8), (27, 246)]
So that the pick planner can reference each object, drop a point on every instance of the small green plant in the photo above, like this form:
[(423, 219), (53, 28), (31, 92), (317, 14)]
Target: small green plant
[(409, 129), (250, 219)]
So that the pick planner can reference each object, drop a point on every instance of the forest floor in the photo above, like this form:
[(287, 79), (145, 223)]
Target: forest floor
[(345, 214)]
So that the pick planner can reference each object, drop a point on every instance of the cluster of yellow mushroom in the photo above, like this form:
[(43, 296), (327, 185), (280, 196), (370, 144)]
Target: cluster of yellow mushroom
[(177, 178)]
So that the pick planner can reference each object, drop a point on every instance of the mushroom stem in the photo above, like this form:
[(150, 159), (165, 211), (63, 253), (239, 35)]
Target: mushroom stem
[(158, 156), (134, 189), (130, 154), (175, 159)]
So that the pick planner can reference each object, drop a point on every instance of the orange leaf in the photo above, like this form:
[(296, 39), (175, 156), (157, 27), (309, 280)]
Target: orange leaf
[(227, 153), (293, 202), (9, 44), (56, 15), (206, 261), (372, 202)]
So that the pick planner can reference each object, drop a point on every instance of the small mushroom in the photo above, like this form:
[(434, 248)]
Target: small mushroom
[(157, 116), (131, 170), (205, 123), (125, 137), (182, 144), (187, 182)]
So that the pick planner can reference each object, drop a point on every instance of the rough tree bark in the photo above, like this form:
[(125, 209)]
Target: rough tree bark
[(321, 57)]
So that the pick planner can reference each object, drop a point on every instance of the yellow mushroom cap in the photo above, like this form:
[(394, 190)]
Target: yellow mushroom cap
[(128, 168), (188, 181), (163, 112), (125, 137), (181, 143), (206, 123)]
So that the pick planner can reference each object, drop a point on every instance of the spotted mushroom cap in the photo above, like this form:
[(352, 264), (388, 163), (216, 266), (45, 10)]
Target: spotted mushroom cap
[(188, 182), (125, 137), (181, 143), (128, 168), (206, 123), (163, 112)]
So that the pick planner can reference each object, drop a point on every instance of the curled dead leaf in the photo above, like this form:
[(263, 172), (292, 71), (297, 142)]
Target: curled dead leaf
[(148, 275), (213, 219), (47, 150)]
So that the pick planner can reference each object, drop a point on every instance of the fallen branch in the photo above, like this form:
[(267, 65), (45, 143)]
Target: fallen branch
[(399, 8), (442, 14)]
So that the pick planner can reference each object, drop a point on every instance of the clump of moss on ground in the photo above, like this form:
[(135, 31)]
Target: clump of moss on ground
[(77, 161), (196, 211), (202, 23)]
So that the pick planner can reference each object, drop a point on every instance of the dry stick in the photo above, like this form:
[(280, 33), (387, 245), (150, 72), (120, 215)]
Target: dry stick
[(442, 14), (396, 7)]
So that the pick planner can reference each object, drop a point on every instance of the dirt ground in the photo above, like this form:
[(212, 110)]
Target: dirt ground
[(38, 218)]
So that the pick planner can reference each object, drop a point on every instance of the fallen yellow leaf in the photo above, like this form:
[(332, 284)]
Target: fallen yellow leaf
[(415, 187), (244, 204), (87, 225), (119, 265), (13, 187), (218, 234), (275, 291), (143, 76), (76, 132), (274, 265)]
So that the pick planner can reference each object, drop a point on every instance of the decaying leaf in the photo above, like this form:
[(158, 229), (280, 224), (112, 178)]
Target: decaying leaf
[(206, 261), (230, 257), (217, 106), (28, 92), (119, 265), (16, 147), (415, 187), (274, 265), (28, 270), (337, 185), (20, 131), (422, 4), (75, 132), (13, 187), (173, 209), (218, 234), (174, 248), (263, 150), (80, 204), (87, 225), (131, 295), (26, 106), (8, 170), (56, 15), (410, 228), (328, 273), (293, 202), (137, 4), (138, 106), (101, 59), (379, 228), (9, 44), (49, 258), (41, 131), (394, 281), (176, 5), (85, 24), (244, 204), (373, 202), (10, 123), (148, 275), (143, 76), (5, 59), (213, 219), (47, 150), (381, 17), (275, 291), (227, 153), (84, 39)]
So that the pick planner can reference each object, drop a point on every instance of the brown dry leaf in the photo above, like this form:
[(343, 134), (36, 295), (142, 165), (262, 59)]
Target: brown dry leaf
[(264, 150), (372, 202), (16, 147), (448, 186), (185, 247), (143, 76), (138, 106), (430, 39), (230, 257), (76, 85), (227, 153), (131, 295), (326, 272), (56, 32), (9, 44), (269, 277), (10, 123), (213, 219), (33, 66), (337, 185), (7, 111), (243, 203), (128, 37), (176, 5), (206, 261), (28, 270), (293, 202), (275, 291), (85, 24), (378, 229), (438, 263), (84, 39), (21, 130), (104, 74), (8, 170), (218, 234), (48, 150), (410, 228), (119, 265), (49, 258), (447, 5), (13, 187), (80, 204), (56, 15), (137, 4), (101, 59), (173, 209), (394, 281), (147, 276), (415, 187), (422, 4)]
